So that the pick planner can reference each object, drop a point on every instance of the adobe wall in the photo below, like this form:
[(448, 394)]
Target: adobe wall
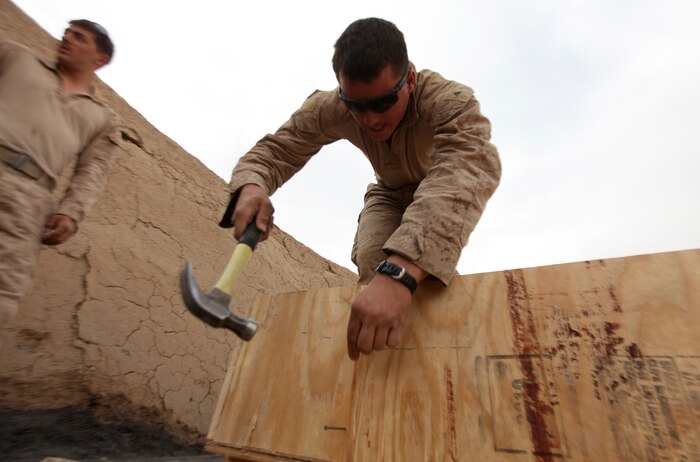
[(104, 325)]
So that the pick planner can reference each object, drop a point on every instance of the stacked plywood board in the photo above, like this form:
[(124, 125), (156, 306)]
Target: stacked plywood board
[(590, 361)]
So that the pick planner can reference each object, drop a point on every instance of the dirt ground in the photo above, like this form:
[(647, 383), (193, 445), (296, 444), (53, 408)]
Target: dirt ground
[(76, 435)]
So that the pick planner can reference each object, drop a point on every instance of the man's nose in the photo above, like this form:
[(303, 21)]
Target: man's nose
[(372, 119)]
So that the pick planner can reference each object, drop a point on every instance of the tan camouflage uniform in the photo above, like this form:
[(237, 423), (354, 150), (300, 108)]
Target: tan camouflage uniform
[(38, 120), (433, 179)]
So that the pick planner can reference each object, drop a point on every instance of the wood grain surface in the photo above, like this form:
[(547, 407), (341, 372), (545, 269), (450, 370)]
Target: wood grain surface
[(588, 361)]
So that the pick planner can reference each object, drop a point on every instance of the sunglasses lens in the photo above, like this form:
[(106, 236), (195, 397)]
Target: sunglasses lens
[(356, 107), (383, 104), (379, 106)]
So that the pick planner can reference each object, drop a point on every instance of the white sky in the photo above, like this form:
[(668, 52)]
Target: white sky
[(594, 105)]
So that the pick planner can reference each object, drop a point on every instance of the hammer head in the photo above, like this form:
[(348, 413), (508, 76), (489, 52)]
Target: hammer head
[(212, 308)]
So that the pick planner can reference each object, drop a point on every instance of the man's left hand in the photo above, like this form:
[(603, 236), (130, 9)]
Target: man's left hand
[(378, 316), (58, 229)]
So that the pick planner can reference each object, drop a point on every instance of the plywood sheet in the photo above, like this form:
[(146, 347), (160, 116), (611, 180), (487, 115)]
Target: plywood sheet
[(587, 361)]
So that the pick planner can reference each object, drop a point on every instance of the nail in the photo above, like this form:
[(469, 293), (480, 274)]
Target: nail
[(330, 427)]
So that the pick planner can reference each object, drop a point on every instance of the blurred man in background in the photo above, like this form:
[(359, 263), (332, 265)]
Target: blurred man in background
[(50, 115)]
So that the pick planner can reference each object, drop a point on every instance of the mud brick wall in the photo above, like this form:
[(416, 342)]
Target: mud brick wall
[(105, 325)]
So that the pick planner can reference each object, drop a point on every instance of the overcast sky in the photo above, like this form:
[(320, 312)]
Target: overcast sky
[(594, 105)]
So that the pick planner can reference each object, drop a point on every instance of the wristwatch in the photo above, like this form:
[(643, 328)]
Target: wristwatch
[(398, 273)]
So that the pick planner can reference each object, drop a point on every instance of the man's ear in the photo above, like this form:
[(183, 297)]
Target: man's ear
[(102, 60), (411, 79)]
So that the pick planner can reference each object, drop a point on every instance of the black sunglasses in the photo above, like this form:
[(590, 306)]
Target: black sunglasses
[(379, 104)]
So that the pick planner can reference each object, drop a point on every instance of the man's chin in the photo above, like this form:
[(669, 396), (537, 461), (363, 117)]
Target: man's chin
[(379, 135)]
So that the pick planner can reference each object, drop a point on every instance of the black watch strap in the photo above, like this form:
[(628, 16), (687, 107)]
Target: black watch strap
[(398, 273)]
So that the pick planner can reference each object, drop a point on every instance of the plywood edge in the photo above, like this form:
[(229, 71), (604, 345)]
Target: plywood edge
[(250, 454), (601, 261), (236, 359)]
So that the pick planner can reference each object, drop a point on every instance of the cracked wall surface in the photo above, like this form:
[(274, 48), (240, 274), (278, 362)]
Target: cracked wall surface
[(104, 324)]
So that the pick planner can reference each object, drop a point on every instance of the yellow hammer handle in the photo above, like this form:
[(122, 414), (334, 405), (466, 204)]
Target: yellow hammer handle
[(238, 260)]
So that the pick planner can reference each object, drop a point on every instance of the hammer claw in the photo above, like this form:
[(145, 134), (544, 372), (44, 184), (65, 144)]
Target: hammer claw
[(212, 308)]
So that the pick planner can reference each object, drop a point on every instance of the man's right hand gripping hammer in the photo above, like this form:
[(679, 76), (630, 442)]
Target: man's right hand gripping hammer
[(213, 307)]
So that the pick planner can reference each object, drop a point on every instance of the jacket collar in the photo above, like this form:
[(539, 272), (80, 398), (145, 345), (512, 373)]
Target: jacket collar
[(53, 67)]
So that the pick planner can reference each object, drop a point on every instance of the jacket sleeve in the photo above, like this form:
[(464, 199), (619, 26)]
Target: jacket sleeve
[(3, 54), (277, 157), (449, 201), (90, 174), (7, 48)]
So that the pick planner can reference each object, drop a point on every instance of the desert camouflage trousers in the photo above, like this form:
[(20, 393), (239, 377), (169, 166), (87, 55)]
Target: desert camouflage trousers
[(25, 205), (380, 217)]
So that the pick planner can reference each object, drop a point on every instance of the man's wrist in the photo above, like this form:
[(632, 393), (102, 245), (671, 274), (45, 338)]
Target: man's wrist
[(398, 273), (73, 221)]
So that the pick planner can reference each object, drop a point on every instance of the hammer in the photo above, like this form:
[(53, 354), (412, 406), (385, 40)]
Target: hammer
[(212, 308)]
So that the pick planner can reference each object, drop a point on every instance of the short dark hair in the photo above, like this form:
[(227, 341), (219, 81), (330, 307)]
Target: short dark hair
[(102, 40), (366, 47)]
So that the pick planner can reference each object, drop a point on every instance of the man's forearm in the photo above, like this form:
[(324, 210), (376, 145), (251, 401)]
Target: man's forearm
[(89, 178)]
